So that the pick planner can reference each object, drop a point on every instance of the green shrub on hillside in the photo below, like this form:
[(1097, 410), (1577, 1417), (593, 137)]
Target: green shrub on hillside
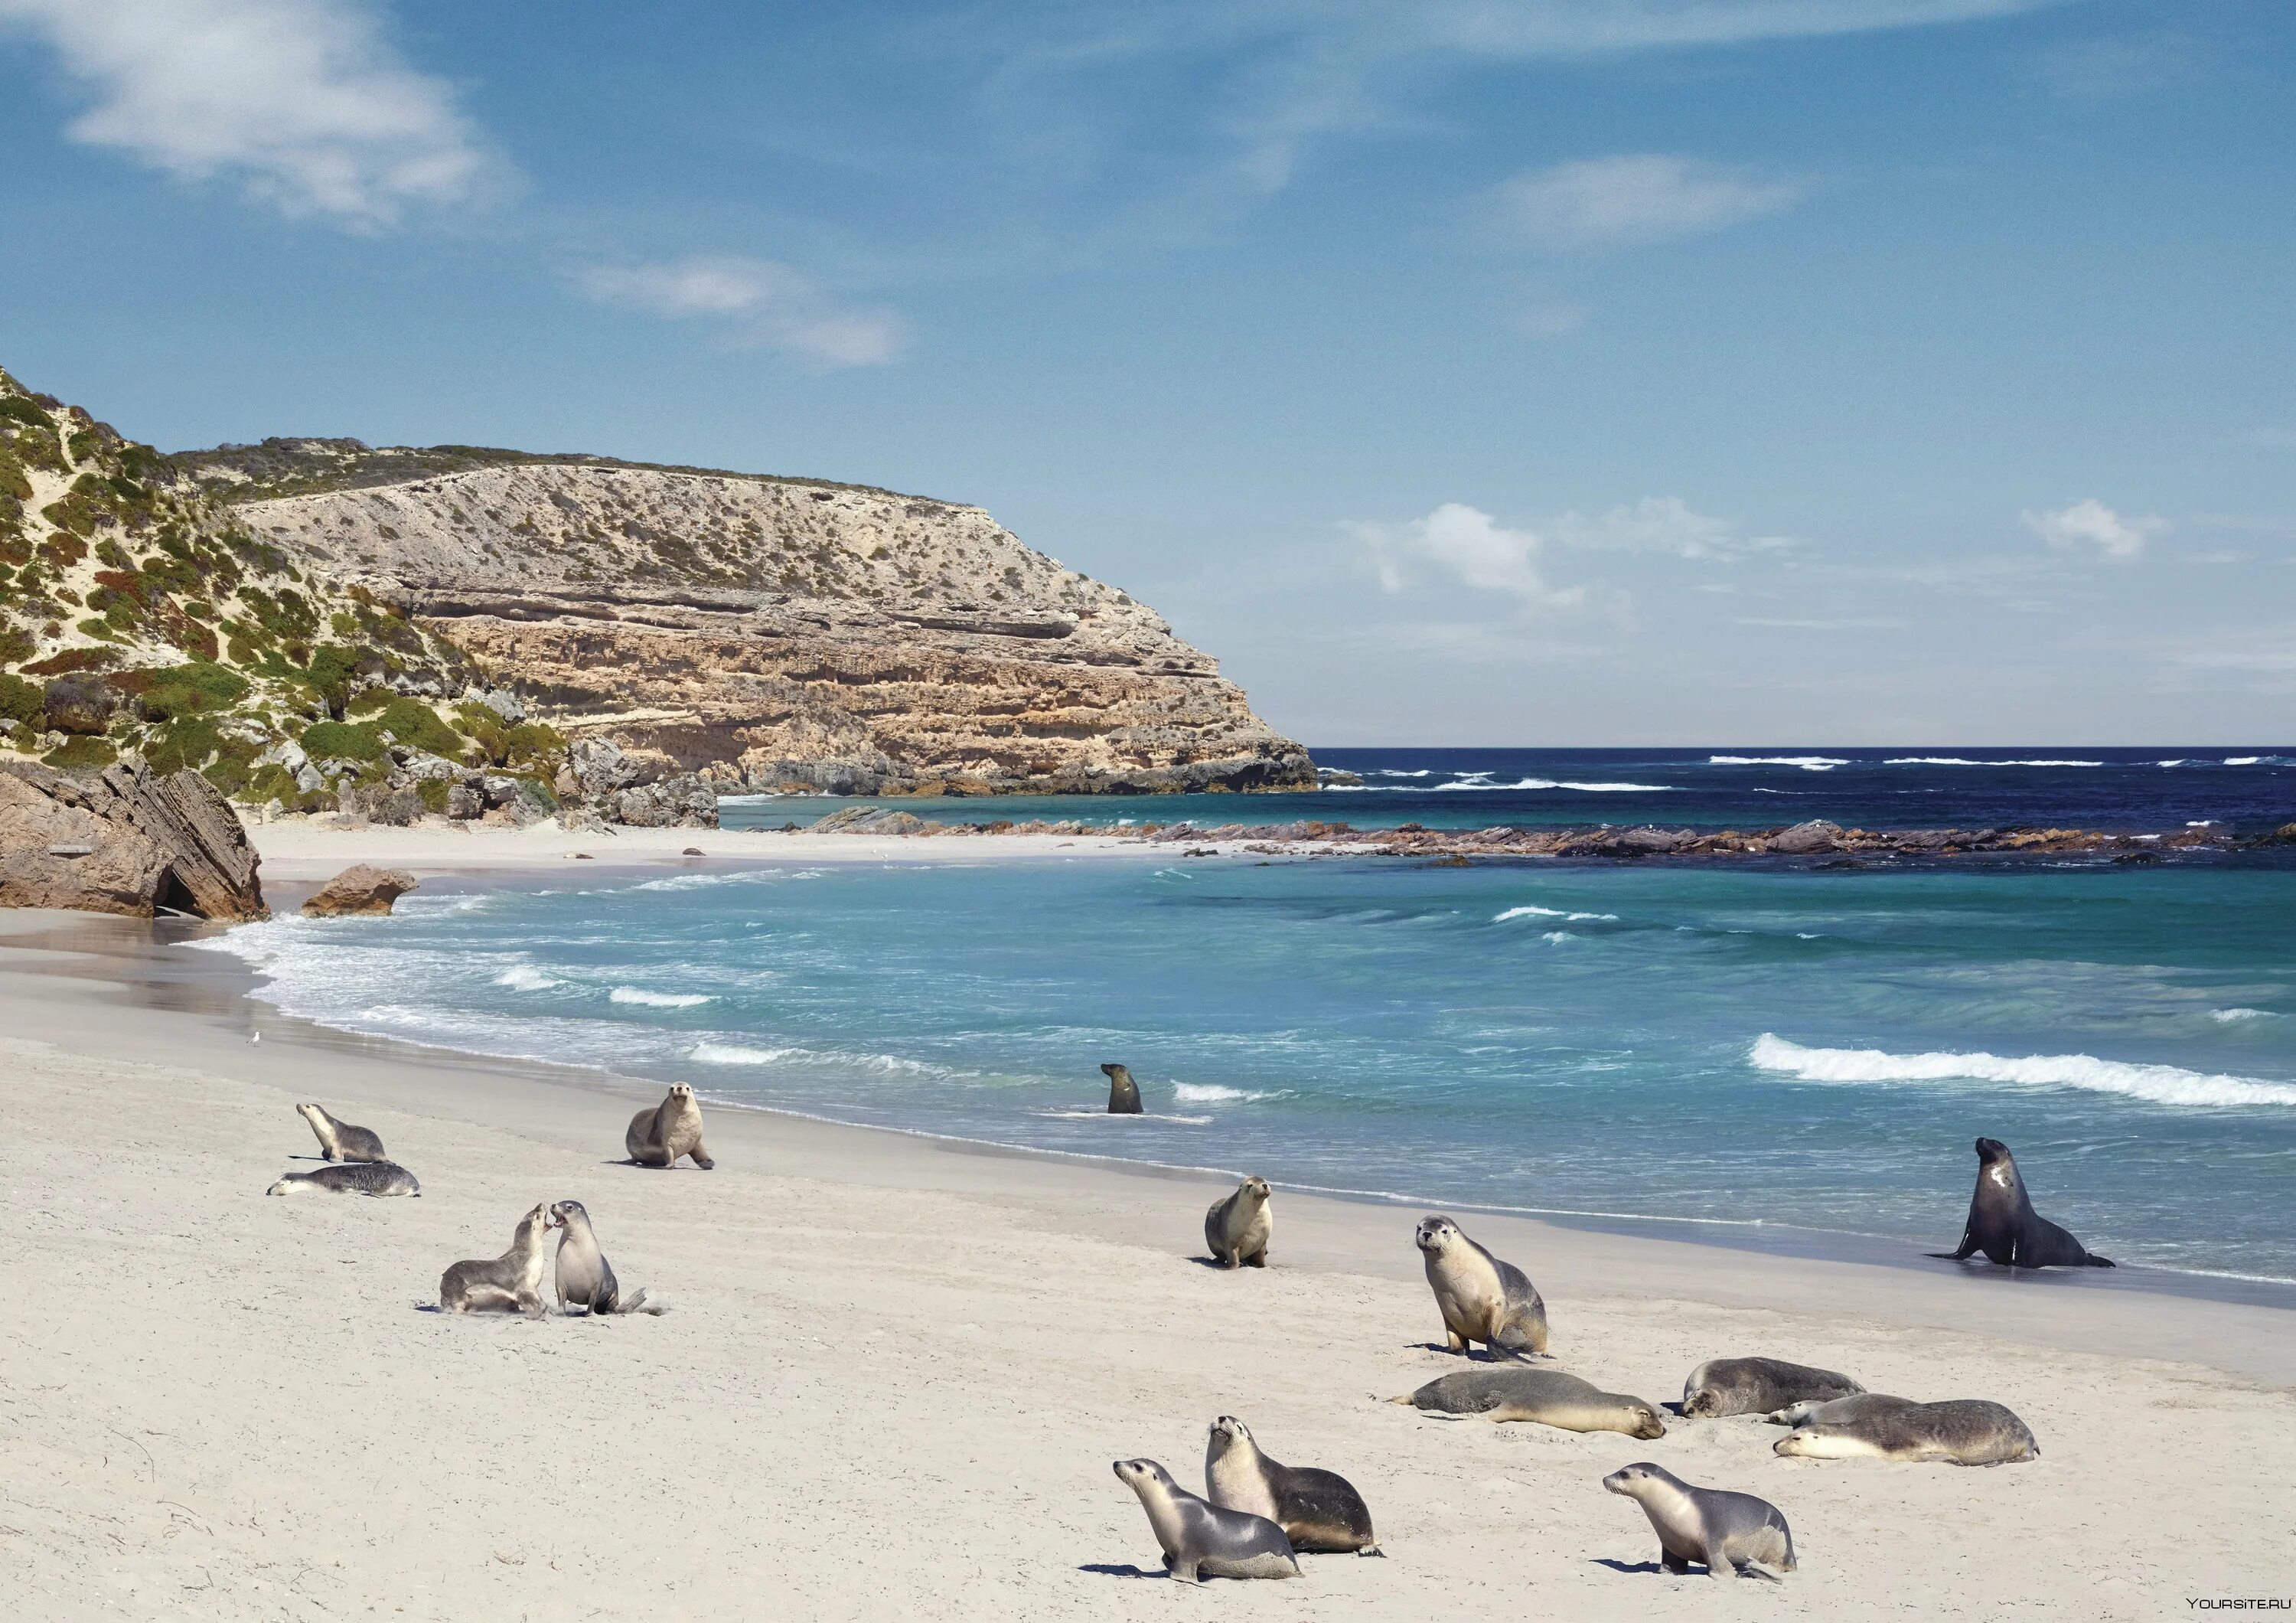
[(341, 741), (81, 754), (22, 702), (414, 722)]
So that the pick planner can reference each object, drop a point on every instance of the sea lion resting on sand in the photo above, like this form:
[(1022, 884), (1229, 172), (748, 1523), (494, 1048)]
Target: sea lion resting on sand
[(2004, 1225), (509, 1283), (1319, 1511), (1727, 1531), (1238, 1226), (1530, 1393), (671, 1129), (339, 1140), (1757, 1385), (585, 1278), (1123, 1092), (1480, 1297), (358, 1178), (1201, 1540), (1969, 1431)]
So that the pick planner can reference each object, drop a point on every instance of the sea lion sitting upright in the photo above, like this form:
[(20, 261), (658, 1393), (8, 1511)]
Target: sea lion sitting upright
[(1319, 1511), (1727, 1531), (2005, 1226), (1238, 1226), (1757, 1385), (1970, 1432), (585, 1278), (1200, 1540), (358, 1178), (1123, 1092), (509, 1283), (673, 1128), (1482, 1298), (339, 1140), (1532, 1392)]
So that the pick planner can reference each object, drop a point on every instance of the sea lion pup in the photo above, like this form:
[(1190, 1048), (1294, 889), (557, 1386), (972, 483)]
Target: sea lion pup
[(1482, 1298), (1123, 1092), (671, 1129), (585, 1278), (1757, 1385), (1968, 1431), (1200, 1540), (1238, 1226), (358, 1178), (1840, 1411), (1529, 1393), (509, 1283), (1319, 1511), (339, 1140), (1727, 1531), (2004, 1225)]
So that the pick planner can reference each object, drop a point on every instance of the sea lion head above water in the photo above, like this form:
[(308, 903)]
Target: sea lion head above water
[(1123, 1092)]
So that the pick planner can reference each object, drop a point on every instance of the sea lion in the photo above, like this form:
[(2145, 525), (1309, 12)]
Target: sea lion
[(1319, 1511), (1237, 1227), (509, 1283), (1968, 1431), (2004, 1225), (585, 1278), (671, 1129), (1550, 1396), (1840, 1411), (1123, 1092), (339, 1140), (358, 1178), (1757, 1385), (1200, 1540), (1727, 1531), (1482, 1298)]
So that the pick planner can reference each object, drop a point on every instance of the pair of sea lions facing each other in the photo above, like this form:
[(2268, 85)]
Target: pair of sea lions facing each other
[(512, 1281), (1529, 1392), (2004, 1225), (1480, 1297), (659, 1136), (1238, 1226), (1873, 1425)]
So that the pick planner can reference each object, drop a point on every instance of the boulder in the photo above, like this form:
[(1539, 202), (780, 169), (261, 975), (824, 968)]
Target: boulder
[(80, 704), (144, 842), (674, 802), (360, 889), (1803, 839), (395, 808), (464, 803)]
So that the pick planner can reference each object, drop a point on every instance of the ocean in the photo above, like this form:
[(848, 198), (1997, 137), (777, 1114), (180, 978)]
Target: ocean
[(1751, 1050)]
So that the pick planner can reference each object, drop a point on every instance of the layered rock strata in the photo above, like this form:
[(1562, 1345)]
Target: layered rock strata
[(125, 840)]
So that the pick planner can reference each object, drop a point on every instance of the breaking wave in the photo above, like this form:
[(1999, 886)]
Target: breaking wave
[(526, 977), (2161, 1084), (1529, 911), (657, 1000), (1807, 764)]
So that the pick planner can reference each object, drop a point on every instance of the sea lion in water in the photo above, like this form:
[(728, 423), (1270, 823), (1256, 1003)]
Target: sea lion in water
[(1482, 1298), (357, 1178), (1969, 1431), (1238, 1226), (2005, 1226), (585, 1278), (339, 1140), (1200, 1540), (1727, 1531), (1123, 1092), (1530, 1393), (1757, 1385), (509, 1283), (671, 1129), (1319, 1511)]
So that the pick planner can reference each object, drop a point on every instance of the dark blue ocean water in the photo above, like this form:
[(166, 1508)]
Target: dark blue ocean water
[(1725, 1045)]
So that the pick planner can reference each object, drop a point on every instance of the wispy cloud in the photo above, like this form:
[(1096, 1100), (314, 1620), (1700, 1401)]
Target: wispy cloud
[(1467, 545), (304, 103), (2109, 68), (1664, 525), (2090, 524), (1632, 198), (753, 302)]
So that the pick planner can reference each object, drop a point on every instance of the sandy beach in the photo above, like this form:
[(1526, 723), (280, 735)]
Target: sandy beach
[(897, 1369)]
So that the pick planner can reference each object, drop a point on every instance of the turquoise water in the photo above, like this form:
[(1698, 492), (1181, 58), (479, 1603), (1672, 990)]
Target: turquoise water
[(1724, 1045)]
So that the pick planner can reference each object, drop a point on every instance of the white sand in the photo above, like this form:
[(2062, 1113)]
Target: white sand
[(897, 1371)]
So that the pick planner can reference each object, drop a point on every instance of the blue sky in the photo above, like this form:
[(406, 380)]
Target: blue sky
[(1558, 371)]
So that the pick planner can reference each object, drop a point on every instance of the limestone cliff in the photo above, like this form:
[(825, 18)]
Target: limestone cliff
[(765, 632)]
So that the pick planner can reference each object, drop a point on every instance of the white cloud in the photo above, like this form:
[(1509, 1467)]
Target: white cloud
[(1667, 525), (1467, 545), (1633, 198), (2089, 522), (761, 302), (302, 102)]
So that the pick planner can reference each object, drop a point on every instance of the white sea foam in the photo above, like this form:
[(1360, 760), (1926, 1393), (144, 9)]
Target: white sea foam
[(733, 1053), (1807, 764), (1558, 936), (658, 999), (1529, 911), (1213, 1093), (1553, 783), (2234, 1016), (526, 977), (2165, 1084), (1961, 760), (2241, 759), (737, 1053)]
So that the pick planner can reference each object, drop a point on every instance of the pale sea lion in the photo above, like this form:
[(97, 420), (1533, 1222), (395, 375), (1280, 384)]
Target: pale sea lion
[(1319, 1511), (1123, 1092), (1482, 1298), (1968, 1431), (1725, 1531), (585, 1278), (1529, 1392), (673, 1128), (357, 1178), (1200, 1540), (1238, 1226), (509, 1283), (1757, 1385), (1840, 1411), (339, 1140), (2004, 1225)]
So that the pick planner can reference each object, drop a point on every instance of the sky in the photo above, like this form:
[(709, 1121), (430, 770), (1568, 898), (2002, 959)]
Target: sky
[(1499, 372)]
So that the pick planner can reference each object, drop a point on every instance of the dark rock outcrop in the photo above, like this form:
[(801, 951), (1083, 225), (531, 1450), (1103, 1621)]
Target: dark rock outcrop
[(360, 889), (80, 704), (1808, 839), (125, 840)]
